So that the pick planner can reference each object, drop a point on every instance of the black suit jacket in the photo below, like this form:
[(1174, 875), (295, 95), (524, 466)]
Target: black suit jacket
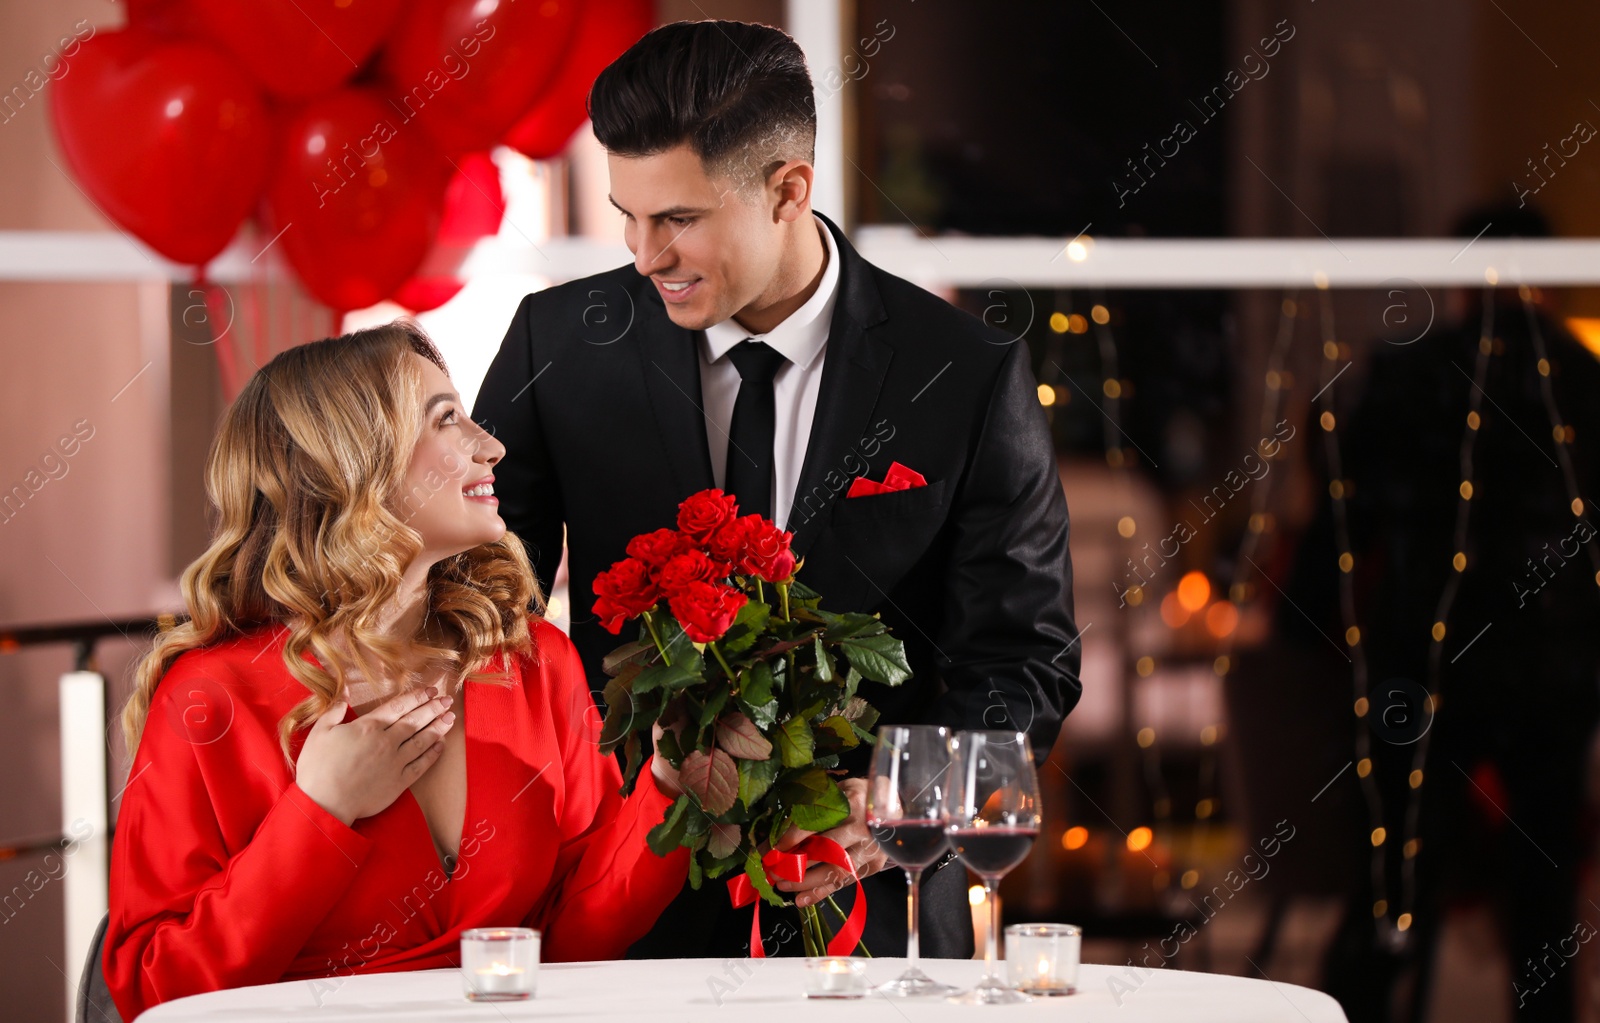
[(596, 395)]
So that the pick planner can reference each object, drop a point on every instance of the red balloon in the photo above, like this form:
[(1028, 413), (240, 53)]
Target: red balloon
[(606, 28), (167, 137), (298, 48), (469, 76), (356, 196), (473, 208), (163, 17)]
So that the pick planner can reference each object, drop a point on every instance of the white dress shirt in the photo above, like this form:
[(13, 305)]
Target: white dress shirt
[(802, 339)]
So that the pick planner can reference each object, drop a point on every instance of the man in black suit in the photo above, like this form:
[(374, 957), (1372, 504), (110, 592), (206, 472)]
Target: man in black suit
[(749, 347)]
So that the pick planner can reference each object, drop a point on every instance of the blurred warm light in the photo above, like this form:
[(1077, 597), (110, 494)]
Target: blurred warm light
[(1135, 595), (1112, 388), (1438, 632), (1190, 878), (1208, 735), (1587, 330), (975, 895), (1172, 613), (1058, 322), (1077, 324), (1075, 838), (1416, 779), (1221, 619), (1047, 394), (1378, 835), (1363, 767), (1204, 808), (553, 607), (1078, 248), (1126, 526), (1402, 922), (1352, 635), (1100, 314), (1361, 707), (1194, 590), (1147, 737), (1139, 839), (1145, 666)]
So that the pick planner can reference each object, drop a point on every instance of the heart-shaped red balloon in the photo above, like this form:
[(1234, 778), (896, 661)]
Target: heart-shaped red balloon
[(168, 138), (356, 196), (606, 28), (473, 208), (470, 69), (298, 49)]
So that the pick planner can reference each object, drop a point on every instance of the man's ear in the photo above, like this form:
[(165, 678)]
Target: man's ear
[(790, 188)]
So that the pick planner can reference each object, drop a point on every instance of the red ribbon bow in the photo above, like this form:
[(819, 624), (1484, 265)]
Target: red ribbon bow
[(791, 866)]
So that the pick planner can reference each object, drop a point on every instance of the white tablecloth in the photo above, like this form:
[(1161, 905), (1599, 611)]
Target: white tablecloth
[(692, 990)]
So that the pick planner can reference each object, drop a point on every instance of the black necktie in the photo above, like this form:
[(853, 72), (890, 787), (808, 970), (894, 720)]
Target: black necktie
[(749, 467)]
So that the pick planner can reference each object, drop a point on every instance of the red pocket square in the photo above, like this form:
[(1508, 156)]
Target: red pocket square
[(897, 478)]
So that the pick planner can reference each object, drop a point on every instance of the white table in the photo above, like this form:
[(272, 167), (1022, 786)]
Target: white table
[(696, 990)]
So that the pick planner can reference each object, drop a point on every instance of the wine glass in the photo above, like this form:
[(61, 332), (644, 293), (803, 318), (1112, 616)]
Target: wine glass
[(906, 814), (994, 818)]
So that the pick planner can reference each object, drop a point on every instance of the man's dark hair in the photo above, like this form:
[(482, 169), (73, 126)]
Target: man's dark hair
[(737, 94)]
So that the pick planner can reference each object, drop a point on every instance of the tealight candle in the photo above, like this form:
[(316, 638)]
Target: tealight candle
[(836, 977), (499, 964), (1042, 959)]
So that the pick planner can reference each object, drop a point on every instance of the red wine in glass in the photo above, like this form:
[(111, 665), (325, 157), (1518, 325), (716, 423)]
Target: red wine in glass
[(994, 816), (992, 852), (912, 844), (906, 814)]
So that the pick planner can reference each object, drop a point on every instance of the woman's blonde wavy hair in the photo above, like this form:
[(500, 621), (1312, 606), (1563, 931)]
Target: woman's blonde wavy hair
[(306, 474)]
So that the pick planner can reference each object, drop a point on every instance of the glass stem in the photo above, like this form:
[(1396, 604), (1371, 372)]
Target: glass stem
[(989, 951), (913, 903)]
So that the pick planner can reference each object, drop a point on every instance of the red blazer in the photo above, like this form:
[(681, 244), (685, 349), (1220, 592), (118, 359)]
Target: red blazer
[(225, 874)]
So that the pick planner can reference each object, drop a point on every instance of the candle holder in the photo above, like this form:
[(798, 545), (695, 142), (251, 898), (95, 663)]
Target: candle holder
[(836, 977), (499, 964), (1042, 959)]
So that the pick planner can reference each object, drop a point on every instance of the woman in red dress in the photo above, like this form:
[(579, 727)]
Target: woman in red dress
[(365, 737)]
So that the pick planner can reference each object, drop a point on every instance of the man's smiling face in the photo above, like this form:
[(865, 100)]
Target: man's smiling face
[(710, 250)]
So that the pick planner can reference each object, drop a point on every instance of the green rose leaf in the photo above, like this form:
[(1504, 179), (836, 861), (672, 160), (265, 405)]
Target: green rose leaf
[(795, 742), (668, 835), (724, 840), (824, 662), (839, 726), (755, 778), (632, 653), (622, 709), (879, 658), (737, 734), (815, 802), (712, 778), (758, 876), (747, 627), (712, 707), (682, 672)]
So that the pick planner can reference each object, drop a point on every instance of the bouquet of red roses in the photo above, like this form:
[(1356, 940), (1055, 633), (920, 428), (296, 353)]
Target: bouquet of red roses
[(757, 700)]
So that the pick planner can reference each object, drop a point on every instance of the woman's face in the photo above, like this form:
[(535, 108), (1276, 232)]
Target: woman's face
[(453, 456)]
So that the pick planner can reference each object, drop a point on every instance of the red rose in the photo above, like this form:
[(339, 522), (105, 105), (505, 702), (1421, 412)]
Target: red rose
[(700, 514), (656, 549), (624, 591), (689, 567), (767, 554), (732, 540), (706, 610)]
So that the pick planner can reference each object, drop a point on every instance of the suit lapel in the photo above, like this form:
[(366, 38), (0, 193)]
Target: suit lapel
[(853, 371), (671, 369)]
